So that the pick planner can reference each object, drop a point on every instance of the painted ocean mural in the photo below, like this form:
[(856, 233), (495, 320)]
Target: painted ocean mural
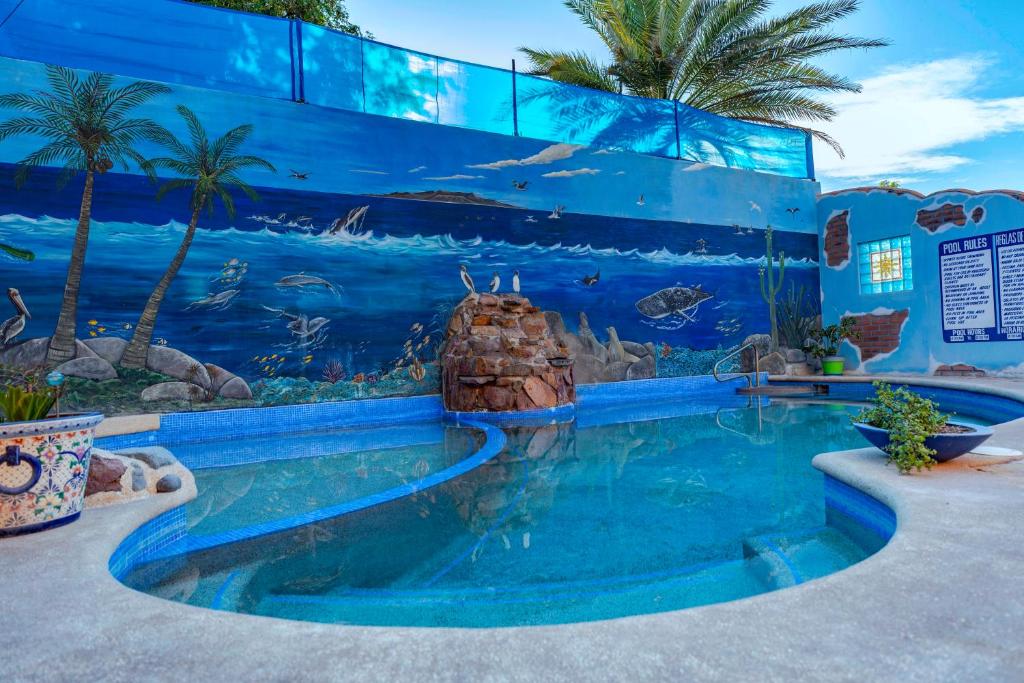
[(338, 280)]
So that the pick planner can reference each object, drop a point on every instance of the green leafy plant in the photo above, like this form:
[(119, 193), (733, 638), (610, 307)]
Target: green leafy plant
[(25, 396), (825, 341), (910, 419), (734, 58), (797, 316)]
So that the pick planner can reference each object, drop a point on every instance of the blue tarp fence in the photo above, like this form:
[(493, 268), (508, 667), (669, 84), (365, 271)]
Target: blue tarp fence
[(182, 43)]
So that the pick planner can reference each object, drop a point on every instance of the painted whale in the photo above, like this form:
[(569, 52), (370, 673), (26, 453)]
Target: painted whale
[(672, 301)]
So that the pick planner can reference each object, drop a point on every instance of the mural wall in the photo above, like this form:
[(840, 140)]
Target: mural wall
[(935, 283), (335, 273)]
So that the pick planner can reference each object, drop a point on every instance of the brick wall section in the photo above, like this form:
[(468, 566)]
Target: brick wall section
[(978, 214), (958, 370), (837, 239), (878, 334), (933, 219)]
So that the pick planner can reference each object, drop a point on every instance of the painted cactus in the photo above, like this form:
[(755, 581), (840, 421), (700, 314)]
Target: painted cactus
[(770, 288)]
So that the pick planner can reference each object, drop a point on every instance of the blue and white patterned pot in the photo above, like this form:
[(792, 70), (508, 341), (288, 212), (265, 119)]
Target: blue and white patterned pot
[(44, 465)]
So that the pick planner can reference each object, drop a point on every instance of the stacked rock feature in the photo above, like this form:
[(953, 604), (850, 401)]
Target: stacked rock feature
[(501, 356)]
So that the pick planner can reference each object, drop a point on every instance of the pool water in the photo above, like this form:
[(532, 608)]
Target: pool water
[(615, 514)]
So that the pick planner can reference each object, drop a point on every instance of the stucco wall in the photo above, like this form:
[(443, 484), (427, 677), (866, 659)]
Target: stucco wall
[(902, 331)]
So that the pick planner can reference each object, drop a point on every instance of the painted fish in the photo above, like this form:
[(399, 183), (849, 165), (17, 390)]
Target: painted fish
[(673, 301), (302, 280)]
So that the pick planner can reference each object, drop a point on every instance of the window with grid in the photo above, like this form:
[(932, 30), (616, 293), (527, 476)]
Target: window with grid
[(885, 265)]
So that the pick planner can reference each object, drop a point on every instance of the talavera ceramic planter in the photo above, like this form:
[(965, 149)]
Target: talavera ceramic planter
[(44, 465)]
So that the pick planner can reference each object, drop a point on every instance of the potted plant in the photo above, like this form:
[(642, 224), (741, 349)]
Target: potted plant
[(44, 461), (911, 430), (824, 345)]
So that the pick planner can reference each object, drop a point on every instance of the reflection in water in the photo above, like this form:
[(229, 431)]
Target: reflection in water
[(567, 523)]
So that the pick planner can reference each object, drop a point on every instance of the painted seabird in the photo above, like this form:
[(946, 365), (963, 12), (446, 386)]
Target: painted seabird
[(520, 184), (793, 211), (515, 281), (591, 280), (557, 213), (495, 282), (12, 327), (299, 175), (466, 279), (641, 201)]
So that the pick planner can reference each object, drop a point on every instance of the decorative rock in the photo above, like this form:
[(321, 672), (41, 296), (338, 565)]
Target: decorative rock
[(94, 368), (236, 388), (153, 456), (498, 357), (138, 477), (763, 344), (104, 474), (774, 363), (168, 483), (179, 365), (795, 356), (540, 393), (218, 376), (109, 349), (173, 391)]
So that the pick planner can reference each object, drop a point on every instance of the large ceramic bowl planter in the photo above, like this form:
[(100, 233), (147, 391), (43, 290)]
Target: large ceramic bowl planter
[(833, 365), (44, 465), (946, 446)]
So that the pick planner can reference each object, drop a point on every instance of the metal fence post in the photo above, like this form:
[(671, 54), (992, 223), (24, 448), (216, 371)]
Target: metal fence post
[(362, 69), (809, 147), (515, 102), (291, 52), (675, 114), (302, 66)]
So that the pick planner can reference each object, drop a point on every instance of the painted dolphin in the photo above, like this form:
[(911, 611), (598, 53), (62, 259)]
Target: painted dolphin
[(302, 280), (673, 301), (219, 300)]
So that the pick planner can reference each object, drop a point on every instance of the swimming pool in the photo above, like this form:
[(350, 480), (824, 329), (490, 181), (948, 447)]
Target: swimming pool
[(626, 510)]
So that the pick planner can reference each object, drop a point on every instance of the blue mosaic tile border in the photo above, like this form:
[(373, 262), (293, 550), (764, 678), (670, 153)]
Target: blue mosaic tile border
[(523, 418), (147, 541), (865, 510), (184, 428)]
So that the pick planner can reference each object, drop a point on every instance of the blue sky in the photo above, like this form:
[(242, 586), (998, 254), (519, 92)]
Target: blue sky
[(943, 106)]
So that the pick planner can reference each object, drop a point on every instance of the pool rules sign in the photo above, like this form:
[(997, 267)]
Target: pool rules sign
[(982, 285)]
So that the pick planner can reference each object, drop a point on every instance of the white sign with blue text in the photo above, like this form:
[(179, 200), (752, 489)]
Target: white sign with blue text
[(982, 287)]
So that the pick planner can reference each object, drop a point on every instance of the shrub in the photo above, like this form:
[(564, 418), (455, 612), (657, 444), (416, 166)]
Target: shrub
[(25, 396), (910, 419), (825, 341)]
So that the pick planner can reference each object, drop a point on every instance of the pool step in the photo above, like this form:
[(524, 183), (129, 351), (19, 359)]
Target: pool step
[(783, 560)]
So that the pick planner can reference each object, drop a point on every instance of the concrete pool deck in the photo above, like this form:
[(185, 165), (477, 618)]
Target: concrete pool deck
[(943, 601)]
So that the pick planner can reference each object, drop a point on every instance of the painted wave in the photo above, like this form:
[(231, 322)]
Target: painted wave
[(441, 244)]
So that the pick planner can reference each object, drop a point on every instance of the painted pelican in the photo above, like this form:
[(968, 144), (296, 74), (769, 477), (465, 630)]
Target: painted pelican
[(466, 279), (12, 327), (495, 282), (515, 282)]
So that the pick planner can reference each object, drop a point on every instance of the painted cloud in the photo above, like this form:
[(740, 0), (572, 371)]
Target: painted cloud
[(570, 174), (545, 156)]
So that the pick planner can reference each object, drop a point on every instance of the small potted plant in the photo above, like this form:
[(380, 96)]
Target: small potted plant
[(911, 430), (44, 461), (824, 345)]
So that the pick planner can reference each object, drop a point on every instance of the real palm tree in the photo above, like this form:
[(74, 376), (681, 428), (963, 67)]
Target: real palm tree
[(87, 127), (722, 56), (208, 169)]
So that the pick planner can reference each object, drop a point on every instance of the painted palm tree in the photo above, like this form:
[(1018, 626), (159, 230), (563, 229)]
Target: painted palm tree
[(721, 56), (87, 127), (209, 170)]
